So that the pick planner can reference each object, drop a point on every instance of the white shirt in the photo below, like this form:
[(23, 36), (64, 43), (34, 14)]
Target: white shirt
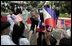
[(68, 33), (6, 40), (24, 41)]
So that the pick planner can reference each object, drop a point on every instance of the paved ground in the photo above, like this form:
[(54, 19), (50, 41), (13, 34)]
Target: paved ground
[(33, 38)]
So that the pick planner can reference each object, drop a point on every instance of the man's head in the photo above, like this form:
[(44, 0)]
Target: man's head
[(5, 28), (16, 8), (34, 12)]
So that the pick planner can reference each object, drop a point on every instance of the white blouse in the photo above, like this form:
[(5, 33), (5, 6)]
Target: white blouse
[(6, 40)]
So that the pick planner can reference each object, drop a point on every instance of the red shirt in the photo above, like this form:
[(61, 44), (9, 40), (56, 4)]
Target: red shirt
[(3, 18)]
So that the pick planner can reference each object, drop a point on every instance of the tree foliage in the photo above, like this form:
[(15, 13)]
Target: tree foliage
[(62, 6)]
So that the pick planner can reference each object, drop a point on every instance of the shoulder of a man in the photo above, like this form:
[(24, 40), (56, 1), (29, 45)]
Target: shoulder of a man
[(24, 41), (6, 40)]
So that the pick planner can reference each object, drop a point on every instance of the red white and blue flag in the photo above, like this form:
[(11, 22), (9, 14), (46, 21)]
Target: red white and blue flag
[(50, 17)]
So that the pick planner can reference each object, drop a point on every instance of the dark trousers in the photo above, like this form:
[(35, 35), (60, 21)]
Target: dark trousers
[(40, 41), (33, 23)]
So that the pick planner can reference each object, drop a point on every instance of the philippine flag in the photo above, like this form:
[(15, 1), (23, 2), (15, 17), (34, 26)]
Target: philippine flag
[(50, 17)]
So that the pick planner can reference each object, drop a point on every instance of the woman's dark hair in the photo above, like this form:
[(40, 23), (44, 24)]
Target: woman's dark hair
[(18, 10), (41, 17), (17, 32)]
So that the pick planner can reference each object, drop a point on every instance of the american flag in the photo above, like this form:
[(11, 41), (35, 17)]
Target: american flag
[(60, 23)]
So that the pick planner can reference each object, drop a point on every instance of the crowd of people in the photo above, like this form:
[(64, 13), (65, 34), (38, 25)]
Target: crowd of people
[(12, 31)]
